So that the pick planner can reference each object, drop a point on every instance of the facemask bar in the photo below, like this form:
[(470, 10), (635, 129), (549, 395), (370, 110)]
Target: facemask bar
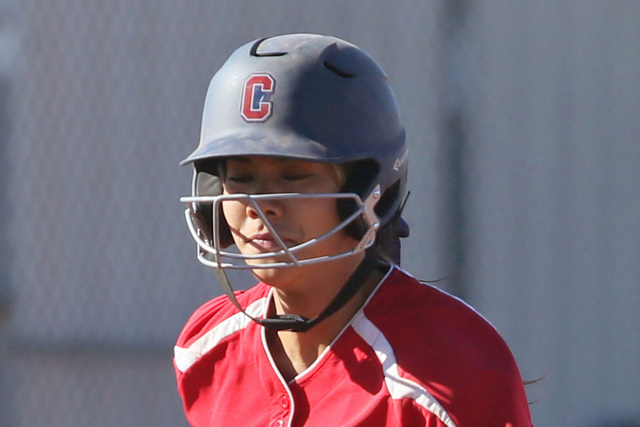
[(212, 257)]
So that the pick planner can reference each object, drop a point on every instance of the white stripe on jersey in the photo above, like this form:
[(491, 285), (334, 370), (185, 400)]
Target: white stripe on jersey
[(185, 357), (398, 387)]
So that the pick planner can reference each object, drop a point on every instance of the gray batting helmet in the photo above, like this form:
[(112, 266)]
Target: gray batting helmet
[(303, 96)]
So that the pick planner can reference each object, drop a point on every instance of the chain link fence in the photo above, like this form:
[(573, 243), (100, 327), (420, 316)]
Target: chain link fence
[(106, 100), (106, 103), (99, 101)]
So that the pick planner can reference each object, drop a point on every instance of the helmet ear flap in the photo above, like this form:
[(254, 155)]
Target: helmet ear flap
[(207, 182), (359, 179)]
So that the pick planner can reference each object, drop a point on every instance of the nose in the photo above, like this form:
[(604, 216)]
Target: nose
[(271, 208)]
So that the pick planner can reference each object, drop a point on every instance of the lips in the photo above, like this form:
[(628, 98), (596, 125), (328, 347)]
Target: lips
[(266, 242)]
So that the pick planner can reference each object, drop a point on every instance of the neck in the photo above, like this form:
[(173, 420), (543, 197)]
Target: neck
[(294, 352), (308, 290)]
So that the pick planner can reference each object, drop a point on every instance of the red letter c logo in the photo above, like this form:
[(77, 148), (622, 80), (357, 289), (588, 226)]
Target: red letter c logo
[(256, 105)]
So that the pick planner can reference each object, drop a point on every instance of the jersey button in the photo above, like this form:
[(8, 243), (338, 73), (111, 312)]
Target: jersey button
[(284, 401), (278, 423)]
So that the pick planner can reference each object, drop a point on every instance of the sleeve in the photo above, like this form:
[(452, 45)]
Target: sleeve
[(490, 388), (484, 382), (446, 346), (498, 396)]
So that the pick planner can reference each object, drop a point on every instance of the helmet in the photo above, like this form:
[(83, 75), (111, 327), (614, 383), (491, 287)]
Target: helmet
[(308, 97)]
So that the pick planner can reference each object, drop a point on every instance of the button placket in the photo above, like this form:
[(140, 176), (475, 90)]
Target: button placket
[(284, 401)]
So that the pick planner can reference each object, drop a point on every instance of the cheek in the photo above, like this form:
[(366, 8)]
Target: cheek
[(234, 213), (322, 215)]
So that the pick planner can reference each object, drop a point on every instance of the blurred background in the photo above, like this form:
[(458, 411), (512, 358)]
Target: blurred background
[(523, 122)]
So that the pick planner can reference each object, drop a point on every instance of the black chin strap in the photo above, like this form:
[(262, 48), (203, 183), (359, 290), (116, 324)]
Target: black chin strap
[(297, 323)]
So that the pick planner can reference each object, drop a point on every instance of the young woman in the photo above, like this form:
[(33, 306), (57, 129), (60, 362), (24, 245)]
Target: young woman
[(300, 176)]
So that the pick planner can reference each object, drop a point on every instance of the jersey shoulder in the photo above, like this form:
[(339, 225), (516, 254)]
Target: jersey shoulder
[(217, 310), (444, 344), (431, 321)]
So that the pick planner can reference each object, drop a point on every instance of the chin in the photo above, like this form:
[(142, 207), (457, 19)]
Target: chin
[(276, 277)]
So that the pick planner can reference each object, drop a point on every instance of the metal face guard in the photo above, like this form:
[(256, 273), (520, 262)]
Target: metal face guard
[(210, 255)]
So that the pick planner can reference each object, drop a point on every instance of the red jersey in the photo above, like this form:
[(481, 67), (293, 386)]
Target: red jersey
[(412, 356)]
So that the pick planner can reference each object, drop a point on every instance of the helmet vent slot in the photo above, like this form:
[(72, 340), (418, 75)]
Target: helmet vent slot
[(280, 45), (257, 51), (333, 68)]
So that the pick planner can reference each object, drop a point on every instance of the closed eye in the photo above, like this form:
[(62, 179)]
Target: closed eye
[(240, 179), (296, 177)]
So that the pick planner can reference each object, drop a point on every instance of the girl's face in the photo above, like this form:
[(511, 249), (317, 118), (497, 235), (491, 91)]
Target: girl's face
[(295, 220)]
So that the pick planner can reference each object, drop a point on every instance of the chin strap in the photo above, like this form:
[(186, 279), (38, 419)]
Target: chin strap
[(297, 323)]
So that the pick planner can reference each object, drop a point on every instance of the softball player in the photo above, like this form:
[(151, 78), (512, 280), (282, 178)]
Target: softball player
[(300, 177)]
